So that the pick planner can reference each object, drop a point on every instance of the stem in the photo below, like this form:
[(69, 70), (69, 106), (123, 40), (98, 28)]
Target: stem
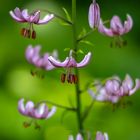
[(77, 86), (58, 105)]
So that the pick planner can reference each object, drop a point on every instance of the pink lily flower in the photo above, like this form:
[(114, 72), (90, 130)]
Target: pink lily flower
[(114, 89), (40, 111), (33, 18), (40, 61), (116, 26), (68, 64)]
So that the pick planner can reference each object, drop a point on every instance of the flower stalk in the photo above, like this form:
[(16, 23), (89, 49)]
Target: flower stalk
[(77, 86)]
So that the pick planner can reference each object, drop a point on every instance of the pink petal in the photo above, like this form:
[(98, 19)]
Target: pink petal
[(25, 15), (79, 137), (117, 26), (102, 29), (137, 86), (29, 108), (34, 18), (128, 24), (85, 61), (16, 17), (56, 63), (41, 111), (21, 107), (70, 137), (51, 113), (46, 19)]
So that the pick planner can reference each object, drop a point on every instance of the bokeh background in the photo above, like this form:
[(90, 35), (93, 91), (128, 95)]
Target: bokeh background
[(16, 81)]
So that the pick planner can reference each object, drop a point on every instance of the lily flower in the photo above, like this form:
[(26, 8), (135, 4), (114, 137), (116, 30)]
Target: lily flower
[(114, 89), (116, 26), (78, 137), (39, 111), (68, 64), (33, 18), (94, 14), (100, 136), (40, 61)]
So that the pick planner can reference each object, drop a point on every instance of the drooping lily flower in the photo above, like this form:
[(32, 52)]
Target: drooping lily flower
[(78, 137), (101, 136), (41, 61), (68, 64), (114, 89), (33, 18), (94, 14), (116, 26), (39, 111)]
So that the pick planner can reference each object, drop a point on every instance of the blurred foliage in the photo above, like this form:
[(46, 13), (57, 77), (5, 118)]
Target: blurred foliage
[(16, 81)]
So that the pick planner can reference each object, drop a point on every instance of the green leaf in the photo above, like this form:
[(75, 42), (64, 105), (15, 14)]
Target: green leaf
[(80, 51), (82, 33), (67, 49), (87, 42), (67, 14), (63, 23)]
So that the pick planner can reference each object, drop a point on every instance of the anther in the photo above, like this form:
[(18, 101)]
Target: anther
[(33, 34), (63, 77)]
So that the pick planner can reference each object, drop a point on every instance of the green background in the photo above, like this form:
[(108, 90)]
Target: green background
[(16, 81)]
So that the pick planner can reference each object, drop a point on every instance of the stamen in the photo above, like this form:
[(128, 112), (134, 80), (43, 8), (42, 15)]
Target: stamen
[(23, 30), (33, 34), (74, 79), (63, 77)]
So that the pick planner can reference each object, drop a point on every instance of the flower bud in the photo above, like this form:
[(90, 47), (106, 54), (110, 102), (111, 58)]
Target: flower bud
[(94, 15)]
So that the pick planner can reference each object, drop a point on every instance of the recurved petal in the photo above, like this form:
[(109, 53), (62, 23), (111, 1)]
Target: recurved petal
[(116, 25), (99, 136), (34, 18), (128, 24), (102, 29), (21, 107), (51, 113), (79, 137), (106, 136), (16, 16), (57, 63), (85, 61), (137, 86), (29, 53), (46, 19), (41, 111), (128, 82), (29, 108), (70, 137), (25, 14)]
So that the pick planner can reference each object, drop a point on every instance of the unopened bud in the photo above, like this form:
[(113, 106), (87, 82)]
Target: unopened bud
[(94, 15)]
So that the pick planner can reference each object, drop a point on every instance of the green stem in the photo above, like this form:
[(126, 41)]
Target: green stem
[(77, 86), (58, 105)]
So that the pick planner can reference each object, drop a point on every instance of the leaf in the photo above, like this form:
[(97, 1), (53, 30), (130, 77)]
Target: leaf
[(82, 33), (63, 23), (80, 51), (87, 42), (67, 49), (67, 14)]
